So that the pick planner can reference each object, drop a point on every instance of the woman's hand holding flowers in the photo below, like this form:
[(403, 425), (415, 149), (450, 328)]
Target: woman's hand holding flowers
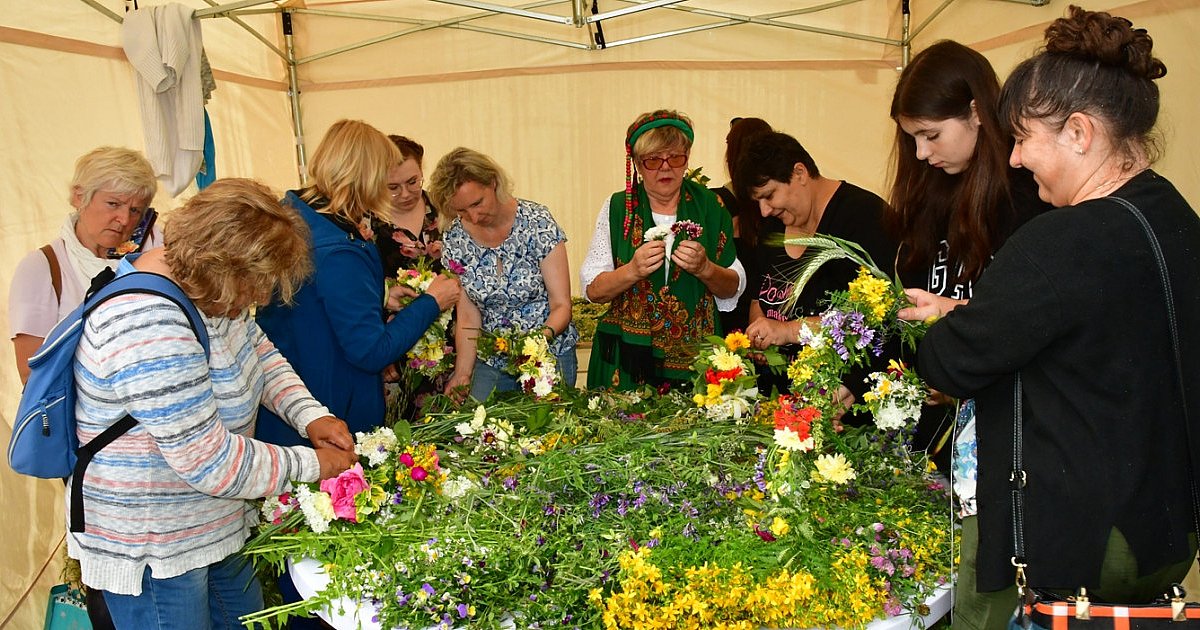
[(334, 461), (330, 432), (691, 257), (398, 295), (445, 289), (927, 307), (765, 332), (648, 257)]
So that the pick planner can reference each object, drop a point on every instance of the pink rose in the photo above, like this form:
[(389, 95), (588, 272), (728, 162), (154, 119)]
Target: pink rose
[(406, 459), (419, 474), (342, 489)]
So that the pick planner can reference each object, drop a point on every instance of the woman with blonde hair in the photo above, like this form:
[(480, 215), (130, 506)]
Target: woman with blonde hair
[(516, 273), (335, 334), (165, 505), (110, 192)]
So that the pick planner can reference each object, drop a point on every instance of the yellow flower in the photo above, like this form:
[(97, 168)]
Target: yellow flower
[(780, 527), (724, 360), (501, 344), (735, 341), (874, 292), (834, 469)]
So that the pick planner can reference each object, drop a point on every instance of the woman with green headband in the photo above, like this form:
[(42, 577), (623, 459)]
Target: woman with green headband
[(663, 256)]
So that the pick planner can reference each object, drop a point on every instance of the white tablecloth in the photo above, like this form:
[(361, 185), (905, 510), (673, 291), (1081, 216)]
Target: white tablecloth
[(310, 578)]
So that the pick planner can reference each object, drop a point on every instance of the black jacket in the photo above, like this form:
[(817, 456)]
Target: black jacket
[(1074, 303)]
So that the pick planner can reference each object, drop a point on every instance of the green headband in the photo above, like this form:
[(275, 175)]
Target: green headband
[(660, 122)]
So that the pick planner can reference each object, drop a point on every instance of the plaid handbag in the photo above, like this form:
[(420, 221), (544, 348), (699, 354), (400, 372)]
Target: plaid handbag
[(1041, 610)]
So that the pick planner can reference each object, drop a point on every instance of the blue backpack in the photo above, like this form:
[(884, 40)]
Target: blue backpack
[(44, 443)]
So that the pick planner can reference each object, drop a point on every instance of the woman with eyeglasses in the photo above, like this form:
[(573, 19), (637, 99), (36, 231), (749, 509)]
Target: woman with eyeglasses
[(409, 229), (665, 293)]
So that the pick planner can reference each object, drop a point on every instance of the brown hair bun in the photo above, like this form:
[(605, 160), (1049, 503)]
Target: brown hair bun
[(1110, 40)]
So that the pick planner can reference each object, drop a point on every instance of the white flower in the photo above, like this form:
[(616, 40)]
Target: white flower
[(317, 508), (376, 446), (894, 414), (791, 441), (594, 403), (456, 487), (656, 233), (480, 414), (542, 388)]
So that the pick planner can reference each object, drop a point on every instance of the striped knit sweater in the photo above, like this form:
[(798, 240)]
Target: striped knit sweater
[(171, 494)]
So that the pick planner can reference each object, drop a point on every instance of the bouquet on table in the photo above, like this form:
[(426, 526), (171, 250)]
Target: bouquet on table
[(679, 230), (526, 356), (726, 384)]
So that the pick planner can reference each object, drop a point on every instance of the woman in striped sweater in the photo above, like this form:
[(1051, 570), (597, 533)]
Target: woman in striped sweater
[(166, 505)]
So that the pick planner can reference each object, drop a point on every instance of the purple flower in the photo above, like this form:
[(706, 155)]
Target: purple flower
[(510, 483), (599, 500), (429, 590), (462, 611)]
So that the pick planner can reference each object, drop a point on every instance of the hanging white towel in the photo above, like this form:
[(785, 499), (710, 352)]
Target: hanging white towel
[(164, 46)]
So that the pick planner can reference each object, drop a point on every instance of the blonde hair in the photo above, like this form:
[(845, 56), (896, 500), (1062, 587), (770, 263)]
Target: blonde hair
[(659, 138), (120, 170), (234, 237), (460, 166), (349, 169)]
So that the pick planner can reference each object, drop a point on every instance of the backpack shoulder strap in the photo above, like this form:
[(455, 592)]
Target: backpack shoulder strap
[(136, 282), (154, 284), (55, 271)]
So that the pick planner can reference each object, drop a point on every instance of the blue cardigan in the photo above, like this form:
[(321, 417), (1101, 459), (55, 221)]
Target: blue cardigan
[(334, 334)]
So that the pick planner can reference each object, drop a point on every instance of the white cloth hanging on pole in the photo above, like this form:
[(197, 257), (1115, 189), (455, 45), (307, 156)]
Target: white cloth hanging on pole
[(164, 46)]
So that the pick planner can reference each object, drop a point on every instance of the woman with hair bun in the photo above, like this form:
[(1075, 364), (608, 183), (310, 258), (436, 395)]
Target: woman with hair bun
[(1108, 483)]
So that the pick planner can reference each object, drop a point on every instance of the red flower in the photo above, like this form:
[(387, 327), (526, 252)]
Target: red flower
[(418, 474), (716, 377), (798, 420), (407, 459), (764, 534)]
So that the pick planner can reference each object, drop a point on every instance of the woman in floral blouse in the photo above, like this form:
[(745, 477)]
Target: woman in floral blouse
[(516, 272), (410, 229)]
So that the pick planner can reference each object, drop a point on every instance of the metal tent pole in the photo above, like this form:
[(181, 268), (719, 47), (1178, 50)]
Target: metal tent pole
[(294, 98)]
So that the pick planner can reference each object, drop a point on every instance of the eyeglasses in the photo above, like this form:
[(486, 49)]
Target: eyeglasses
[(655, 163), (412, 185)]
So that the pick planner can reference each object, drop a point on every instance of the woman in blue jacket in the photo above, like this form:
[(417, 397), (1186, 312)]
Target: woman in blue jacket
[(336, 335)]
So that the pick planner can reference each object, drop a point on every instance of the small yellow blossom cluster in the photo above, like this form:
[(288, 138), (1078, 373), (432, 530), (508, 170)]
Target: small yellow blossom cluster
[(874, 292), (712, 596), (805, 366)]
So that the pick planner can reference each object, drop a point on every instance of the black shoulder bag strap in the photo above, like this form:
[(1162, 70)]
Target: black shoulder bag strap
[(1017, 475)]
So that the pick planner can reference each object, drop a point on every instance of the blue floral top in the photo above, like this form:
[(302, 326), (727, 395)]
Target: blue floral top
[(505, 282)]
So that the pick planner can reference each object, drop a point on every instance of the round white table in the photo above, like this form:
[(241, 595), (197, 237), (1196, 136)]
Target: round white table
[(346, 614)]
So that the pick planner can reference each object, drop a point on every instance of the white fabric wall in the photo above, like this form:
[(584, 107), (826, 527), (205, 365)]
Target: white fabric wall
[(554, 117)]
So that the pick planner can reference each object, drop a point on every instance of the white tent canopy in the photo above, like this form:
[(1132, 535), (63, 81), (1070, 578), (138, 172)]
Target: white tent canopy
[(524, 82)]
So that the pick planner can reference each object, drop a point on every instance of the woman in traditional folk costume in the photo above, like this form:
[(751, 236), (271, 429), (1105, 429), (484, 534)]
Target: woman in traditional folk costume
[(665, 292)]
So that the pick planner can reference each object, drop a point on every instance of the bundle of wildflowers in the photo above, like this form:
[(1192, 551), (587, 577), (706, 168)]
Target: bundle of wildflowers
[(677, 231), (431, 355), (620, 510), (895, 398), (726, 384), (527, 356)]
